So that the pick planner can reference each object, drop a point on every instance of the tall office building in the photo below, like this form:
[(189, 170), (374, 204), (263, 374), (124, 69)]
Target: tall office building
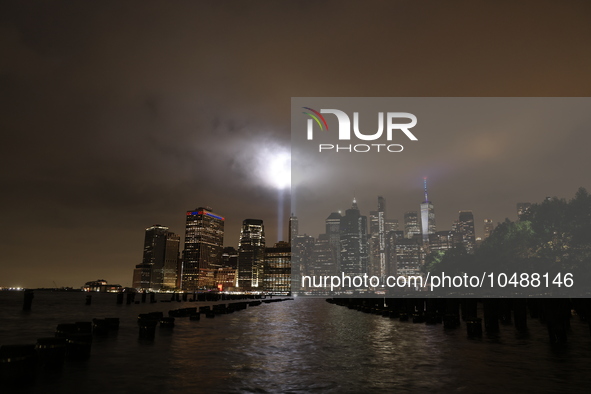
[(522, 207), (142, 276), (377, 239), (323, 257), (408, 256), (374, 244), (465, 230), (171, 261), (411, 224), (457, 238), (277, 269), (488, 228), (391, 225), (159, 260), (333, 231), (441, 241), (381, 204), (293, 228), (427, 216), (373, 223), (353, 231), (392, 239), (382, 235), (204, 241), (154, 253), (301, 258), (251, 255)]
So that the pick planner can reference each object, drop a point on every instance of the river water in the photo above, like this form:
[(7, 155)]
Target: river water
[(299, 346)]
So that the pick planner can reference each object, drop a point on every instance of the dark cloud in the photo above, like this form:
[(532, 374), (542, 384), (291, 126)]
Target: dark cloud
[(119, 115)]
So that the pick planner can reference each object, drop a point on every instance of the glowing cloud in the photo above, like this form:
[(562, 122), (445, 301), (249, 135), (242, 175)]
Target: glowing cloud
[(278, 169)]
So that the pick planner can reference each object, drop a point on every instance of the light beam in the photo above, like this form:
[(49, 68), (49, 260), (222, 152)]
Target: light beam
[(278, 170)]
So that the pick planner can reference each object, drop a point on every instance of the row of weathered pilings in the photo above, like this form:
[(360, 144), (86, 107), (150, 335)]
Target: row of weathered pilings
[(148, 322), (555, 313), (180, 297), (129, 298), (73, 341)]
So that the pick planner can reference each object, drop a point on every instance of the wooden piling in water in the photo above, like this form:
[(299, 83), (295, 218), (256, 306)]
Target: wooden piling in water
[(28, 299), (491, 315), (520, 313)]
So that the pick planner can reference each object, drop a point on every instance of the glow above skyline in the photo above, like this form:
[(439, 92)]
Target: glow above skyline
[(278, 170)]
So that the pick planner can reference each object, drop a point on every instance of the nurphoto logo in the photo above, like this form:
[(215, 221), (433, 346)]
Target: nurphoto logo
[(344, 130)]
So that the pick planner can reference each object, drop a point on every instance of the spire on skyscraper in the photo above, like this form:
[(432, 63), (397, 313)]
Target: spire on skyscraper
[(427, 215), (354, 205)]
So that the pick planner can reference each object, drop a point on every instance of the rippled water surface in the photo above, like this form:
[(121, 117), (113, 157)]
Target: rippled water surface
[(300, 346)]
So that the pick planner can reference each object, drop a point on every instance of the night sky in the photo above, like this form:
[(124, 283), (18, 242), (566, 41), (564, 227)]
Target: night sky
[(120, 115)]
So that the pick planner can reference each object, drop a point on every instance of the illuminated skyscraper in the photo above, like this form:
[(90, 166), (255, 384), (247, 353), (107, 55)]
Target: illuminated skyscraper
[(333, 231), (354, 254), (391, 225), (301, 258), (382, 234), (154, 253), (392, 239), (441, 241), (251, 255), (427, 216), (277, 269), (408, 255), (171, 261), (323, 257), (293, 228), (204, 241), (465, 230), (374, 244), (488, 228), (142, 275), (411, 224), (159, 261), (377, 239)]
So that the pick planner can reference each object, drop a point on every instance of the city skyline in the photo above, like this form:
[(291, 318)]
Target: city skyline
[(478, 227), (103, 140), (361, 245)]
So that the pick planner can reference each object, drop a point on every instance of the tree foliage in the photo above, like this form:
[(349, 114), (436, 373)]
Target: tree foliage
[(551, 236)]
